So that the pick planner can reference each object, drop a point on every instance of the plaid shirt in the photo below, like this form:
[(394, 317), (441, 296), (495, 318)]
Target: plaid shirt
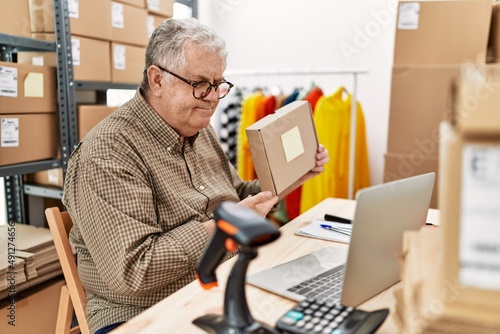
[(137, 197)]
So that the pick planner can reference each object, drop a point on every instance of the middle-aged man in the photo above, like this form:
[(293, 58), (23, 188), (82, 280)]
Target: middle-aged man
[(142, 185)]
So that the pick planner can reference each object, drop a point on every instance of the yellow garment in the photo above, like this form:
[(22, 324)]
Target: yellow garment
[(252, 109), (332, 117)]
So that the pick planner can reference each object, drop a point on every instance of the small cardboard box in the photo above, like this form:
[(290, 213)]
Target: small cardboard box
[(421, 97), (15, 18), (284, 147), (468, 202), (129, 24), (50, 177), (442, 31), (27, 88), (164, 8), (39, 58), (154, 21), (28, 137), (127, 63), (90, 18), (91, 59), (89, 116), (476, 111)]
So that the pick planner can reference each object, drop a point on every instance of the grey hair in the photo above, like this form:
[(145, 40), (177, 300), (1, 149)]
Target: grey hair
[(166, 45)]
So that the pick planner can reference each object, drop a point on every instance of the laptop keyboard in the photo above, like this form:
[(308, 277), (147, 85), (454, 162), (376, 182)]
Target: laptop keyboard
[(326, 287)]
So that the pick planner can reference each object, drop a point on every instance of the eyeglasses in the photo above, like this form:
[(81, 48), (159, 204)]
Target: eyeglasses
[(201, 89)]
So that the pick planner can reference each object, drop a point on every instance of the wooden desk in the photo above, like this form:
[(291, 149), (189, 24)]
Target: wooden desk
[(175, 313)]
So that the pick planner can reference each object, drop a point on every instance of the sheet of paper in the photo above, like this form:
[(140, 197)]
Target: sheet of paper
[(409, 14), (314, 230)]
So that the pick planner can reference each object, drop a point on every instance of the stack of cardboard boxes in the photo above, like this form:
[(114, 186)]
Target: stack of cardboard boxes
[(108, 43), (450, 274), (433, 38)]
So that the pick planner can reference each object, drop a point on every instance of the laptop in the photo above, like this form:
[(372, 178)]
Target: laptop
[(371, 264)]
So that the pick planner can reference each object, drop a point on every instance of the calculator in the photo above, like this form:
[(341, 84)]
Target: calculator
[(313, 316)]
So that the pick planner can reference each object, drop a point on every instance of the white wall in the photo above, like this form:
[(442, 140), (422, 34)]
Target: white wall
[(314, 34)]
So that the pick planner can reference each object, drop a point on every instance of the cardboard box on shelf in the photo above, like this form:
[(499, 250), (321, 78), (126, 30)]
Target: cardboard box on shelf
[(27, 88), (28, 137), (442, 31), (51, 177), (39, 58), (91, 59), (283, 146), (90, 18), (161, 7), (153, 21), (136, 3), (15, 18), (421, 97), (128, 24), (476, 110), (89, 116), (127, 63), (400, 165)]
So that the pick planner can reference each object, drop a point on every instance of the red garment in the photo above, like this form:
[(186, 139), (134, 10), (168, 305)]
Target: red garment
[(269, 105), (292, 200)]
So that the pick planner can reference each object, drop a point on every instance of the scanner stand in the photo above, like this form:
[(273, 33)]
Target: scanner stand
[(237, 318)]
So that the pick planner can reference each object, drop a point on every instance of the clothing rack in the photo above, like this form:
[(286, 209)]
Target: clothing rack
[(324, 71)]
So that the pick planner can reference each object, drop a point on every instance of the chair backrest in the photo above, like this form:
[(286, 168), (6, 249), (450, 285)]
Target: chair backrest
[(60, 224)]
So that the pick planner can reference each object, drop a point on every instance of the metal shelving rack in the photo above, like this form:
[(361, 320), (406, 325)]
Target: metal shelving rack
[(14, 188)]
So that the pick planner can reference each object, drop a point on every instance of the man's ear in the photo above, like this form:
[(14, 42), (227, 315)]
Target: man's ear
[(154, 78)]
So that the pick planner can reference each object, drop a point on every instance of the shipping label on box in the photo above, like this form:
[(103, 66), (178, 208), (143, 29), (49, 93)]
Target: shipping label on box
[(283, 147)]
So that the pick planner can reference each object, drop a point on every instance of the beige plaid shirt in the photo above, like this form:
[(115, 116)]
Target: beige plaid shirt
[(137, 197)]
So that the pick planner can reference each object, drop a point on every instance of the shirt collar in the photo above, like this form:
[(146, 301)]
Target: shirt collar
[(160, 129)]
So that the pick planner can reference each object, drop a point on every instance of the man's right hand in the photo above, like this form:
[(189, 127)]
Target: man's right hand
[(262, 202)]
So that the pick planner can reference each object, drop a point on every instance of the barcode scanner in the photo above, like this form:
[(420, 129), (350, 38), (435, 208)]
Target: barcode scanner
[(236, 227)]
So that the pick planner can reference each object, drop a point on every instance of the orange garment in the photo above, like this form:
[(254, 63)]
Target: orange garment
[(332, 117), (252, 110)]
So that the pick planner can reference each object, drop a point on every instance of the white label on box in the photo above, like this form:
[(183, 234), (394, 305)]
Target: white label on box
[(75, 51), (37, 60), (154, 5), (8, 81), (119, 59), (479, 253), (150, 22), (408, 15), (10, 132), (292, 144), (73, 10), (117, 16), (53, 176)]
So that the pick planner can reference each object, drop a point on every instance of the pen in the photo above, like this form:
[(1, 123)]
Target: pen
[(333, 218), (335, 229)]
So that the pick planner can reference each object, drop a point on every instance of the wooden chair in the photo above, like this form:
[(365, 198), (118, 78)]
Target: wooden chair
[(72, 294)]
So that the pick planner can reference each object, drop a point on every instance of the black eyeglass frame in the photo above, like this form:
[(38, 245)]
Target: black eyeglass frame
[(196, 83)]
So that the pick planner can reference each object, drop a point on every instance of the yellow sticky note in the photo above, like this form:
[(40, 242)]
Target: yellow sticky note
[(292, 144), (33, 85)]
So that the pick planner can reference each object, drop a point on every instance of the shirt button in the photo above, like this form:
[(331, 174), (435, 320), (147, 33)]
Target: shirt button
[(169, 149), (202, 188)]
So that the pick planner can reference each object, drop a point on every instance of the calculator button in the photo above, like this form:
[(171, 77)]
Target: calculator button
[(295, 315), (308, 326), (317, 329), (300, 323)]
